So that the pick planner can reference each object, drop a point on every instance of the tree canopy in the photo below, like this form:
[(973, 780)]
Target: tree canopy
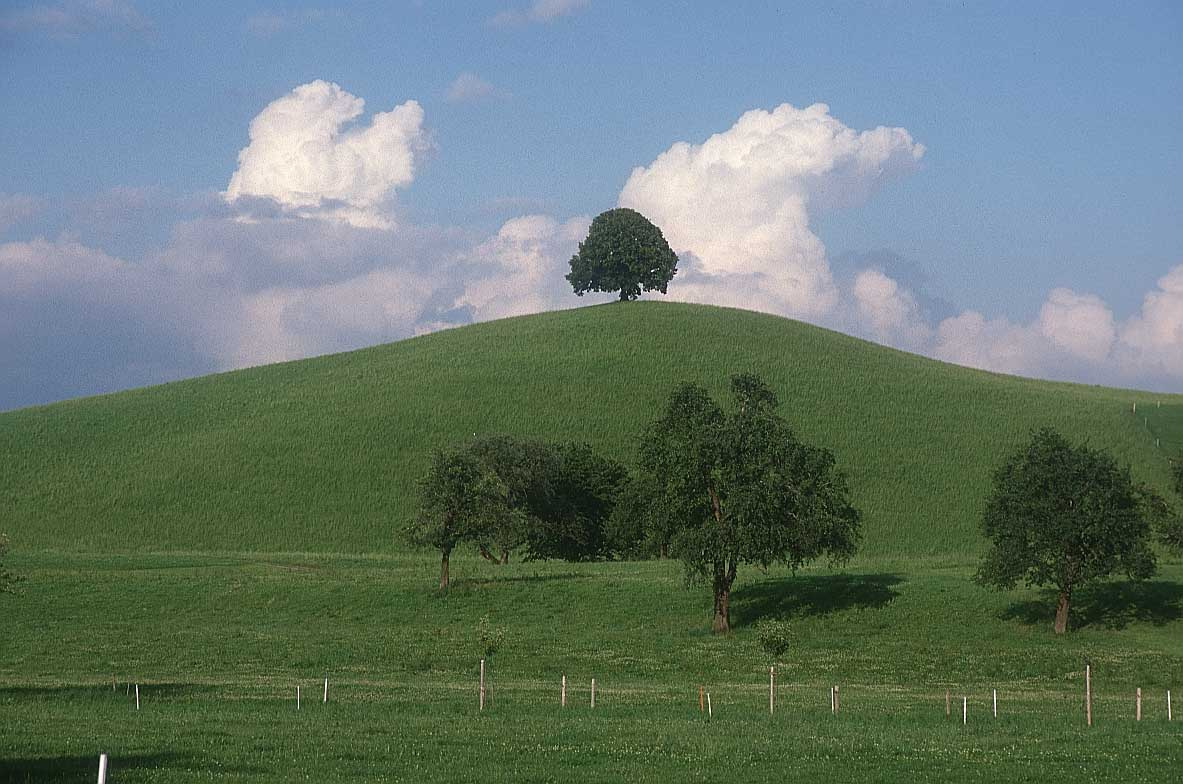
[(503, 493), (460, 498), (623, 252), (743, 488), (1063, 515)]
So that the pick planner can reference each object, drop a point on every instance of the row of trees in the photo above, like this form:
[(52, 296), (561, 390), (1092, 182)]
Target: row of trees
[(716, 488), (502, 493)]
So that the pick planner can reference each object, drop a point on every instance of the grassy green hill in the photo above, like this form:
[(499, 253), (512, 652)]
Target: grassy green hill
[(321, 454)]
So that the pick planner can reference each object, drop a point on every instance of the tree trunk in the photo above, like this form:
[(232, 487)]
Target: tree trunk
[(722, 622), (724, 577), (488, 556), (504, 557), (1062, 613), (663, 550), (444, 570)]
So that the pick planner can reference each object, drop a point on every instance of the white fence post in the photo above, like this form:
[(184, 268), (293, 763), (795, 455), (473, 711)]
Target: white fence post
[(102, 769)]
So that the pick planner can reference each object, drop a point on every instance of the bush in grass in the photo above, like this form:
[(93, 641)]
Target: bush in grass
[(774, 638)]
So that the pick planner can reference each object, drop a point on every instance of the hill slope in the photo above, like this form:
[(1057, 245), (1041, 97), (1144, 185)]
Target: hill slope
[(321, 454)]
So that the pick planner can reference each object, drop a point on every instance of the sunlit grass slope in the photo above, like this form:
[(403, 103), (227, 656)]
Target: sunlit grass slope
[(322, 454)]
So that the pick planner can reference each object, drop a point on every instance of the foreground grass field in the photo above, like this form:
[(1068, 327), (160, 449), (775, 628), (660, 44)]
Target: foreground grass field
[(321, 455), (219, 642)]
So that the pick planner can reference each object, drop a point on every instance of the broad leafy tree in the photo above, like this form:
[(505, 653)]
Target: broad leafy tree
[(460, 499), (1064, 515), (572, 521), (744, 488), (623, 252), (527, 469)]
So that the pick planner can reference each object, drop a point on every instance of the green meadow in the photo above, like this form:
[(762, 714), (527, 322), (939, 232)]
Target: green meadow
[(321, 455), (225, 540)]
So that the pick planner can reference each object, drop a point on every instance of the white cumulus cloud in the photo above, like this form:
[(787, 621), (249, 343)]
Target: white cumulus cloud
[(740, 203), (1152, 341), (305, 155), (888, 312), (521, 269), (1080, 324)]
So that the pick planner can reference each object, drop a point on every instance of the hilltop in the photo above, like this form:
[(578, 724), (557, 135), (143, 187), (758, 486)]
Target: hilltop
[(321, 454)]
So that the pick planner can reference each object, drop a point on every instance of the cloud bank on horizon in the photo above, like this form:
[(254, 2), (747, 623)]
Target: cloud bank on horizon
[(302, 254)]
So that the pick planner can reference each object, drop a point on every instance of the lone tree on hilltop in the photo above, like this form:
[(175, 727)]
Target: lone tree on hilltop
[(1063, 515), (743, 488), (623, 252)]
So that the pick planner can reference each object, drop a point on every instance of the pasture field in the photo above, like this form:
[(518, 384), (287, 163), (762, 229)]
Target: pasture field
[(219, 642), (223, 540), (321, 455)]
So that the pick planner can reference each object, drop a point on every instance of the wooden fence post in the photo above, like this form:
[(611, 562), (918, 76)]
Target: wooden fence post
[(102, 769), (996, 703), (964, 710), (771, 690), (593, 695), (326, 697), (482, 699), (948, 704), (1138, 704), (297, 698), (1088, 693), (563, 695)]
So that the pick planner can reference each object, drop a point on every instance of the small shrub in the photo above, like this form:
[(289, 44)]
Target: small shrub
[(774, 638)]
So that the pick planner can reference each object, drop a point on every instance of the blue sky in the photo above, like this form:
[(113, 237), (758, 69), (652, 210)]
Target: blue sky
[(1023, 215)]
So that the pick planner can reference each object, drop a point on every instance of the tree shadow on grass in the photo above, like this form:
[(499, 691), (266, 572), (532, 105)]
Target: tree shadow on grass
[(1112, 605), (799, 597), (44, 770), (461, 584)]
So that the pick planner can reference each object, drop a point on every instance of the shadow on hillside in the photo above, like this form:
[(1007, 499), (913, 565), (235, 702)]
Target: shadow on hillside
[(43, 770), (799, 597), (461, 584), (1113, 605)]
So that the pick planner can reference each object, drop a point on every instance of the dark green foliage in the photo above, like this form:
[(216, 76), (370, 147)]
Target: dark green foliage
[(1177, 474), (774, 638), (641, 526), (1064, 515), (623, 252), (460, 498), (743, 488), (528, 470), (571, 521), (502, 493)]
